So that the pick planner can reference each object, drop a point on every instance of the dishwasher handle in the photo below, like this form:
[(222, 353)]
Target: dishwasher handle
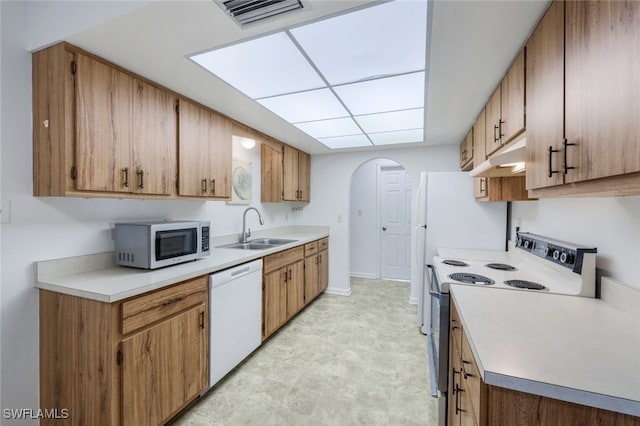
[(218, 279)]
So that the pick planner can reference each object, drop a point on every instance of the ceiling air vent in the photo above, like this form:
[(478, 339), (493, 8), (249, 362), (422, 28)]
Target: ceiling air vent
[(247, 12)]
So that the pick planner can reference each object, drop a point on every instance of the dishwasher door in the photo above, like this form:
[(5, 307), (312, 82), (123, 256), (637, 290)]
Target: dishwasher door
[(235, 312)]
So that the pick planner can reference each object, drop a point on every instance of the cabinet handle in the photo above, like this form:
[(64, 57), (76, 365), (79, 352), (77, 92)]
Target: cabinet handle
[(213, 186), (204, 185), (202, 320), (495, 137), (500, 123), (171, 301), (566, 144), (285, 276), (125, 171), (454, 381), (458, 389), (550, 169), (289, 273), (463, 370), (483, 181), (141, 179)]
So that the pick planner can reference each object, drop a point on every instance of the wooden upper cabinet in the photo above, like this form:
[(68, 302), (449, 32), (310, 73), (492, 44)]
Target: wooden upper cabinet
[(154, 140), (466, 151), (296, 174), (602, 89), (513, 100), (505, 111), (492, 124), (479, 139), (103, 127), (545, 99), (271, 176), (204, 145)]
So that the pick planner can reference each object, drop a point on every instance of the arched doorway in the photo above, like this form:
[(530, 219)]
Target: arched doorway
[(380, 221)]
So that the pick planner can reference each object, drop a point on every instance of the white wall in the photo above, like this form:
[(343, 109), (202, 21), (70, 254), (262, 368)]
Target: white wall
[(50, 228), (330, 198), (610, 224)]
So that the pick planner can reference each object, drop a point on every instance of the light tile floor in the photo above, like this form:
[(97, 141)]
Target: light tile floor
[(357, 360)]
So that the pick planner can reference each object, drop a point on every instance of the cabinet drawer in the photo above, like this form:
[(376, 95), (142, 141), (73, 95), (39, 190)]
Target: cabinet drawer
[(323, 244), (310, 248), (144, 310), (283, 258)]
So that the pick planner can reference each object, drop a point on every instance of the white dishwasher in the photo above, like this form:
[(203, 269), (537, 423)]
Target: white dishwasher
[(235, 312)]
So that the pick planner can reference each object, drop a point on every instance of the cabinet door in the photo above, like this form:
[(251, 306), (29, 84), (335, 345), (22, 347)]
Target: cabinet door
[(311, 276), (290, 173), (479, 139), (480, 189), (154, 140), (545, 99), (164, 367), (219, 156), (492, 130), (602, 89), (274, 301), (323, 270), (466, 151), (512, 104), (295, 288), (103, 127), (271, 174), (304, 176), (194, 123)]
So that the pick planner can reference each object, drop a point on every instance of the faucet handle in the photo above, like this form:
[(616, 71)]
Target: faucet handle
[(248, 234)]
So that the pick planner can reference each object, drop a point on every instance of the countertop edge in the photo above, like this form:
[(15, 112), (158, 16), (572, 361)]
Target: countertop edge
[(562, 393), (184, 271)]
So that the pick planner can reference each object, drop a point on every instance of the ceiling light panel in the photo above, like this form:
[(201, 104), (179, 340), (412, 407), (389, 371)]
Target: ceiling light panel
[(330, 128), (390, 121), (262, 67), (382, 40), (354, 141), (384, 94), (403, 136), (306, 106)]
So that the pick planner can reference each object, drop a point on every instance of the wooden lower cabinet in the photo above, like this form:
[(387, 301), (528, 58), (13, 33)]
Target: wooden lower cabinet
[(316, 268), (282, 288), (134, 362), (474, 403)]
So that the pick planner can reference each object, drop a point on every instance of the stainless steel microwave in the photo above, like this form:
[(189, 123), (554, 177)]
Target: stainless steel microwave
[(152, 245)]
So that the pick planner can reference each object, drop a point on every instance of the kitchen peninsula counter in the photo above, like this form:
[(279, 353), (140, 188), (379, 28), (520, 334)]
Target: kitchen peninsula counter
[(574, 349), (96, 276)]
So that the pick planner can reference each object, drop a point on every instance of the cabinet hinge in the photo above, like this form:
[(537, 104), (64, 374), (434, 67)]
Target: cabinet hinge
[(74, 172), (73, 67), (119, 358)]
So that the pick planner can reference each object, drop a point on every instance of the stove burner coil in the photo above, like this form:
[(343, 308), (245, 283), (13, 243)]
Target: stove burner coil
[(454, 262), (529, 285), (471, 278), (500, 266)]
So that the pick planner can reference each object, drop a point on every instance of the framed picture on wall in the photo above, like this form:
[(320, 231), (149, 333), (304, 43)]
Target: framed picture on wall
[(240, 182)]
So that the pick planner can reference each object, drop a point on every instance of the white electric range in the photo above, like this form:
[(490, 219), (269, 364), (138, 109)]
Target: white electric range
[(537, 264)]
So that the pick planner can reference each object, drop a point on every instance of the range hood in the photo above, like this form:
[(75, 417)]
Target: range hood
[(509, 162)]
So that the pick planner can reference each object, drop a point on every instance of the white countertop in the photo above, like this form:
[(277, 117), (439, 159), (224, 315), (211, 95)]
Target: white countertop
[(575, 349), (97, 277)]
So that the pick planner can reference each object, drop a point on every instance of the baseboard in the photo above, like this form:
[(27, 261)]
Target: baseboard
[(363, 275), (413, 300), (338, 291)]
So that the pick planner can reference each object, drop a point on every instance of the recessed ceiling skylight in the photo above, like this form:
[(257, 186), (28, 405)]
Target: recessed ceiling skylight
[(337, 78)]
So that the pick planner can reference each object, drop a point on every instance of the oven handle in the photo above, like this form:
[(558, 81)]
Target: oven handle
[(434, 291)]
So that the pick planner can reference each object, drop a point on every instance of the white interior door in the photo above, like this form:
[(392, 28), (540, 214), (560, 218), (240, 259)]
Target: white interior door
[(395, 223)]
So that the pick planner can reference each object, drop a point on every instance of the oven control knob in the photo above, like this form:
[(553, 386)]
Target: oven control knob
[(526, 244), (519, 243), (547, 251), (556, 254), (566, 258)]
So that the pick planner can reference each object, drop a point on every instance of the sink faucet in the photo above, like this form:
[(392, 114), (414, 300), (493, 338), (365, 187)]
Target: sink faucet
[(246, 234)]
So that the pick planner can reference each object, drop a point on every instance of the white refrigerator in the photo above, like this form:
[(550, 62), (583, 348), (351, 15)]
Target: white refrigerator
[(448, 216)]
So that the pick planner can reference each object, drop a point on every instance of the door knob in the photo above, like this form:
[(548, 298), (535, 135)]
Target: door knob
[(384, 228)]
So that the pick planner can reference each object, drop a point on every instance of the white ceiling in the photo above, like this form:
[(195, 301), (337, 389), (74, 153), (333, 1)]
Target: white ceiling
[(471, 45)]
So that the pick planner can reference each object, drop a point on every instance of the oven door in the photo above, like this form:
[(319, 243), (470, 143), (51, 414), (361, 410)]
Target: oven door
[(438, 345)]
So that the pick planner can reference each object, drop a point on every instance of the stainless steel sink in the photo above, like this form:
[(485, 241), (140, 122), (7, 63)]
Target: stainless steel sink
[(272, 241), (258, 244)]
